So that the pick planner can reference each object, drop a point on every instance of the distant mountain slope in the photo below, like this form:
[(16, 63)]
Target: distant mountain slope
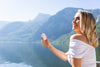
[(23, 31), (95, 12), (3, 23), (58, 24), (41, 17), (32, 26), (98, 32), (11, 27)]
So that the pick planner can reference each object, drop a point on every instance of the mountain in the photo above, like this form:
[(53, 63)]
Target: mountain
[(98, 32), (98, 19), (63, 41), (60, 23), (41, 17), (3, 23), (95, 12), (33, 25), (21, 30), (11, 27)]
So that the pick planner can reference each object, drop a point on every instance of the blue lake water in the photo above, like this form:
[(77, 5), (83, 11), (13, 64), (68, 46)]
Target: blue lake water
[(28, 55), (15, 55), (7, 64)]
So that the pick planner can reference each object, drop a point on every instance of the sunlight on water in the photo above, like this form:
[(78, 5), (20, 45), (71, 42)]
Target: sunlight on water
[(14, 65)]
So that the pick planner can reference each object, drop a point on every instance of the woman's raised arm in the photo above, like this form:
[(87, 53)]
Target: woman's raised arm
[(57, 52)]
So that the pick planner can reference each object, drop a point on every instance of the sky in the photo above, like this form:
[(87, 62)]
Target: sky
[(25, 10)]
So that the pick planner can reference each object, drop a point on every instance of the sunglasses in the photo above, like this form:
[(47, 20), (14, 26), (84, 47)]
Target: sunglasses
[(78, 18)]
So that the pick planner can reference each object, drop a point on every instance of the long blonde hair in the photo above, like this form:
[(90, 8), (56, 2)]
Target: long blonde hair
[(88, 27)]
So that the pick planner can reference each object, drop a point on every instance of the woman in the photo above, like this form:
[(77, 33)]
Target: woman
[(81, 51)]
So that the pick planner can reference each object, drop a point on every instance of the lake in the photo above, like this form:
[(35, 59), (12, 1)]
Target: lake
[(7, 64), (25, 54)]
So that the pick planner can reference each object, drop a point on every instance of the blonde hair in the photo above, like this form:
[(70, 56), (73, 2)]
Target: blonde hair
[(88, 27)]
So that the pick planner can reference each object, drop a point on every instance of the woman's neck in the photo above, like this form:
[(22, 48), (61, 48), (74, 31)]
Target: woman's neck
[(79, 32)]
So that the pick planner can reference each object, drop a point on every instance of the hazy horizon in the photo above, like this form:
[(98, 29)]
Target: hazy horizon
[(25, 10)]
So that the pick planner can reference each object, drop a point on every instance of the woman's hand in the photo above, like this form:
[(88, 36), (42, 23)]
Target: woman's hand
[(46, 42)]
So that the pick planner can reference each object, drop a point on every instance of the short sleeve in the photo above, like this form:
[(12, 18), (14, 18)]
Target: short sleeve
[(77, 49)]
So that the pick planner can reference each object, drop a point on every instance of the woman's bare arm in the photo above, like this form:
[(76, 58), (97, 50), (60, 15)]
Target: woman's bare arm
[(59, 53)]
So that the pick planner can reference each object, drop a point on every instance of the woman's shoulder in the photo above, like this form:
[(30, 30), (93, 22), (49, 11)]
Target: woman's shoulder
[(76, 36), (79, 37)]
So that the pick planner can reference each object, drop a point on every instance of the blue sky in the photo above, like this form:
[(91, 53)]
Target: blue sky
[(25, 10)]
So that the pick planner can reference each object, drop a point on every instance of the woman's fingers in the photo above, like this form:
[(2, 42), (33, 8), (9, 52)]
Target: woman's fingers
[(41, 38), (45, 42)]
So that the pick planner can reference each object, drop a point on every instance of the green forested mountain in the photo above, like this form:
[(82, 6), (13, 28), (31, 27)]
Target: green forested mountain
[(63, 42), (98, 32)]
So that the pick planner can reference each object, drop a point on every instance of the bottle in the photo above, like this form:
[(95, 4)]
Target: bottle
[(43, 35)]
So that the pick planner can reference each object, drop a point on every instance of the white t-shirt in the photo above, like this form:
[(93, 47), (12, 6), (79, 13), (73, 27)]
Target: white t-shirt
[(80, 49)]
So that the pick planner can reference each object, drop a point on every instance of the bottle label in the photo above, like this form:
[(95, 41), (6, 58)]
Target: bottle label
[(44, 36)]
